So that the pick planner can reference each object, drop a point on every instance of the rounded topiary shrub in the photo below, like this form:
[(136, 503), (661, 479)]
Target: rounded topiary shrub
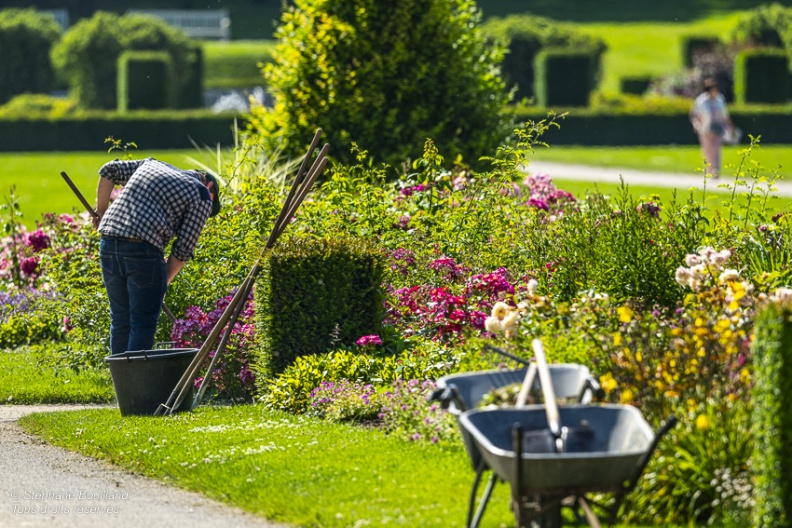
[(87, 56), (384, 75), (25, 39)]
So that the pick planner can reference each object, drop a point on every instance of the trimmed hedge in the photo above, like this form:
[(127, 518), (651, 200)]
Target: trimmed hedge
[(762, 76), (155, 130), (144, 81), (695, 44), (315, 296), (771, 424), (635, 85), (563, 77)]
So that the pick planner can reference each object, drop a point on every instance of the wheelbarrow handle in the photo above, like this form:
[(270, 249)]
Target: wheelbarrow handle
[(669, 424), (445, 395), (503, 353)]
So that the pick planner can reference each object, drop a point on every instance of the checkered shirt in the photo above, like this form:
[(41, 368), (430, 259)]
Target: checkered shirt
[(158, 202)]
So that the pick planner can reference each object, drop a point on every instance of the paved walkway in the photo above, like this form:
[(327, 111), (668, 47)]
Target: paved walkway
[(563, 171), (76, 491)]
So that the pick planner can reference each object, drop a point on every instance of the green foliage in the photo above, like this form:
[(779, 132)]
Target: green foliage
[(144, 81), (767, 25), (37, 106), (386, 76), (30, 328), (26, 37), (291, 389), (87, 55), (524, 36), (762, 76), (699, 473), (564, 77), (771, 423), (316, 295)]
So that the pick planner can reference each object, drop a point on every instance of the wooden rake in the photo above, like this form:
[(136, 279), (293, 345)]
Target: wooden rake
[(299, 190)]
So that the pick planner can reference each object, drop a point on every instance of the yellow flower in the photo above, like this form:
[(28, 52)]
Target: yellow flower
[(703, 422), (625, 314), (608, 383), (617, 338), (626, 397)]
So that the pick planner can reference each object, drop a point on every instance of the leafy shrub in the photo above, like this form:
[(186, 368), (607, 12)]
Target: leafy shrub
[(407, 414), (699, 474), (27, 68), (291, 390), (385, 75), (88, 53), (767, 25), (770, 426), (345, 401)]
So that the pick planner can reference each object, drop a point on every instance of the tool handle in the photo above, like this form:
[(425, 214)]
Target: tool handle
[(80, 197), (530, 375), (551, 406)]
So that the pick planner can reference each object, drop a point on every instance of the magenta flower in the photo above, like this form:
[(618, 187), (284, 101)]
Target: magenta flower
[(29, 266), (38, 240), (367, 340)]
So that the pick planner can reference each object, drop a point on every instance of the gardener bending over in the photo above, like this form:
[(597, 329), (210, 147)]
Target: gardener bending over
[(157, 203)]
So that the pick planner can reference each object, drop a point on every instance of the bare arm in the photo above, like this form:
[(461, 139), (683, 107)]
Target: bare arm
[(103, 190), (173, 267)]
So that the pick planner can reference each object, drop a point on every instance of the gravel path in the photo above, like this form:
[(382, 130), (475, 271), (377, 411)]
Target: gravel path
[(76, 491), (637, 177)]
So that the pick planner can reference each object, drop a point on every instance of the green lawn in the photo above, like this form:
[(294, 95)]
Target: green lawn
[(40, 188), (287, 468), (22, 381), (650, 48)]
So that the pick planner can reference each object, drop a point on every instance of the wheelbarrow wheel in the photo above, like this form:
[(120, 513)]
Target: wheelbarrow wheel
[(529, 514)]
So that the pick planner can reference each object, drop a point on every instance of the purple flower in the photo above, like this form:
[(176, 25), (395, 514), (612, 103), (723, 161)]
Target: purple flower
[(38, 240), (538, 204), (366, 340), (29, 266)]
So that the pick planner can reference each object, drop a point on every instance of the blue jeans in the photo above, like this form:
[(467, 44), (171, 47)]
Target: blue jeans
[(135, 279)]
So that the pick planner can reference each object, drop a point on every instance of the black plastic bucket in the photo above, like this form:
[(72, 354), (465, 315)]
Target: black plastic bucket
[(143, 379)]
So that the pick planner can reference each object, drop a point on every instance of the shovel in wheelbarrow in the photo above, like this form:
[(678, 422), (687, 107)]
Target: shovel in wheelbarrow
[(556, 438)]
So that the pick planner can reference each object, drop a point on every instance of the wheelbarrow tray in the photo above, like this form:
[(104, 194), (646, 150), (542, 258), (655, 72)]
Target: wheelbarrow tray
[(612, 461), (569, 380)]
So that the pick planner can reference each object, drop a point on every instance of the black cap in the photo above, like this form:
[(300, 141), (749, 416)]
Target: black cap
[(216, 191)]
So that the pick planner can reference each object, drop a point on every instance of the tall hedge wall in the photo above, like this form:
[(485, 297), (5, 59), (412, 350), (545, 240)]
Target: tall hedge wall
[(150, 130)]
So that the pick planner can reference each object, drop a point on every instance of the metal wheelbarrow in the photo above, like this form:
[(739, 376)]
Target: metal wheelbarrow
[(462, 392), (619, 449)]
